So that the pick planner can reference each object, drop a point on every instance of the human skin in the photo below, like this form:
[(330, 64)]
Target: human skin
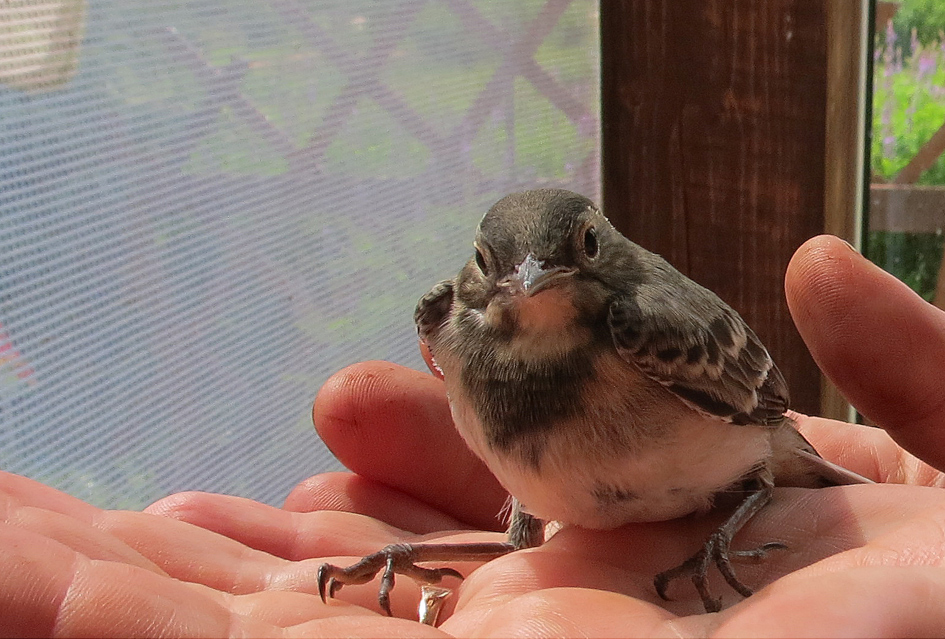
[(863, 560)]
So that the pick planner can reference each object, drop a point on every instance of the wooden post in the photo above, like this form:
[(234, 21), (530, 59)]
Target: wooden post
[(714, 148), (848, 37)]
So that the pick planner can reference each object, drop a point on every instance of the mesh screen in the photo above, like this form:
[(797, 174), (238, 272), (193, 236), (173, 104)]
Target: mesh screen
[(209, 206)]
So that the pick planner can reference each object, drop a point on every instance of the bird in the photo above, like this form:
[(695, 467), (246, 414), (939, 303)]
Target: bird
[(601, 386)]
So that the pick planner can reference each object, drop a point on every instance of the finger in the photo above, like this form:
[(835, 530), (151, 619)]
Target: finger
[(864, 602), (353, 537), (881, 344), (562, 612), (109, 599), (337, 618), (47, 589), (300, 535), (26, 491), (353, 493), (35, 573), (250, 523), (191, 553), (869, 451), (284, 608), (32, 507), (83, 538), (392, 424), (199, 556)]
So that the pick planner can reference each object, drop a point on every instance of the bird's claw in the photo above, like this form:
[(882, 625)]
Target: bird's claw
[(715, 550), (393, 560)]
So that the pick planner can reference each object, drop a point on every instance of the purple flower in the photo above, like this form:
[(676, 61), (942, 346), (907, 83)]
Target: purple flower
[(889, 51), (926, 64), (889, 146)]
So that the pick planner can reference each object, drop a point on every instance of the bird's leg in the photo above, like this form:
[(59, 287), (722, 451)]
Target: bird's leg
[(402, 559), (716, 550), (525, 531)]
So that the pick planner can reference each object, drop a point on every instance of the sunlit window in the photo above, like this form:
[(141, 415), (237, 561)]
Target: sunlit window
[(209, 206)]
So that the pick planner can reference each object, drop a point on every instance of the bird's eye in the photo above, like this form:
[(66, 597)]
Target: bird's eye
[(591, 246), (481, 262)]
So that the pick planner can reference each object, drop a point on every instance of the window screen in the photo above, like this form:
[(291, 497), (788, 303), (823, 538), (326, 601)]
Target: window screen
[(207, 207)]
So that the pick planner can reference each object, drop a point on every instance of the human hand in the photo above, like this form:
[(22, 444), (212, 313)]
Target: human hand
[(862, 559), (69, 569)]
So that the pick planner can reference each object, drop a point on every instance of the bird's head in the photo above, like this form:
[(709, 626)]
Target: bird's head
[(540, 256)]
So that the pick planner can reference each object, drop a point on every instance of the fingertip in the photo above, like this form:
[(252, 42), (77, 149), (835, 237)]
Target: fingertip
[(392, 424), (375, 405), (178, 505), (339, 403), (818, 278), (875, 338)]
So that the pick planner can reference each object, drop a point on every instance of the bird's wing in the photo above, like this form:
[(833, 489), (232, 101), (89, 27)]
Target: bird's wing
[(432, 310), (686, 338), (833, 473)]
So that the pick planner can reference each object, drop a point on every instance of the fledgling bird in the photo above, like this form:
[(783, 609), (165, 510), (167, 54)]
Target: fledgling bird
[(601, 387)]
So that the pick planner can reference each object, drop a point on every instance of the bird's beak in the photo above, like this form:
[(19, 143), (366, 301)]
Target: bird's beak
[(530, 276)]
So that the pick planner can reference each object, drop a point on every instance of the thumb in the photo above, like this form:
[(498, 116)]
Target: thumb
[(877, 340)]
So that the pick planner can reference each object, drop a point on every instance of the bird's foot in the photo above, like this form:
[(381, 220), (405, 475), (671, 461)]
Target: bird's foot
[(716, 550), (396, 559), (402, 559)]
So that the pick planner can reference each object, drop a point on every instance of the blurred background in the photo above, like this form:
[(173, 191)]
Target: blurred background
[(209, 206)]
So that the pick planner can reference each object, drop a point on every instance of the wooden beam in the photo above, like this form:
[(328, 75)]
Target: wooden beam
[(848, 37), (846, 139), (901, 208), (928, 155), (885, 11), (906, 208), (714, 145)]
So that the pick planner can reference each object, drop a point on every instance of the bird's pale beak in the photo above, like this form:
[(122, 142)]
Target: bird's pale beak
[(530, 277)]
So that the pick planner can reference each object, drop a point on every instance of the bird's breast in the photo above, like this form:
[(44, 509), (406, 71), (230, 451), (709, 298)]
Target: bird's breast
[(589, 440), (678, 472), (536, 328), (518, 402)]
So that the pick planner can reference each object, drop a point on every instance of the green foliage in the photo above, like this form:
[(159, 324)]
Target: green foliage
[(908, 109), (926, 17), (912, 257)]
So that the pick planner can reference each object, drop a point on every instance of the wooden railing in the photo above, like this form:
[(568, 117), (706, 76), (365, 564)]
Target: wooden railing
[(907, 208)]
